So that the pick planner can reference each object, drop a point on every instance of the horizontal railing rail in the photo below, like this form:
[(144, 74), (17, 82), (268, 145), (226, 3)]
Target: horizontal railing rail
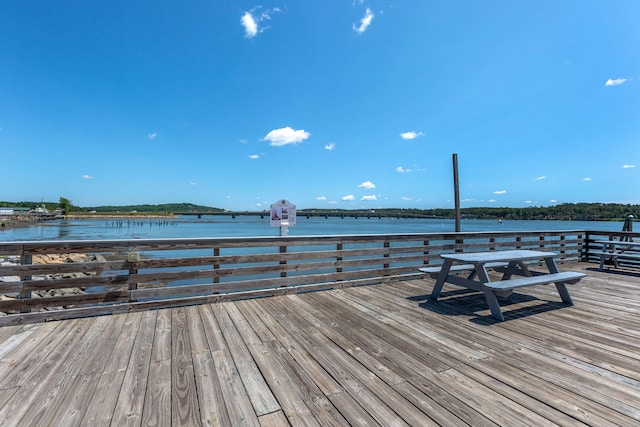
[(48, 280)]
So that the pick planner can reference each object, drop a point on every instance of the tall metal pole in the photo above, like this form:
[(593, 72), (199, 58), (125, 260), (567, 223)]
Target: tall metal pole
[(456, 191)]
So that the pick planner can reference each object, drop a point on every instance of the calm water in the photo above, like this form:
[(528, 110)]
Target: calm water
[(187, 227)]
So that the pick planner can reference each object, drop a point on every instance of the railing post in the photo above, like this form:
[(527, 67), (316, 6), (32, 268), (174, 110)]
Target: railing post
[(25, 259), (339, 248), (216, 266), (283, 250), (386, 256), (584, 253), (518, 242), (628, 227), (492, 243), (133, 257), (425, 260)]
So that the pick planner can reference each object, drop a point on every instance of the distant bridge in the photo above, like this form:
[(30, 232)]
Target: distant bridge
[(309, 214)]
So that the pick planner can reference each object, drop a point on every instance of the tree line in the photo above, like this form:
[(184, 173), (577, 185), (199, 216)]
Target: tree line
[(564, 211), (67, 207)]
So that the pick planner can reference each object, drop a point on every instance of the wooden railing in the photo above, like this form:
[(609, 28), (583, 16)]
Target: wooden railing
[(125, 275)]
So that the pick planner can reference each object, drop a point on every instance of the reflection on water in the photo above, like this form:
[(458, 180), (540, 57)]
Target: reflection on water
[(191, 227), (64, 231)]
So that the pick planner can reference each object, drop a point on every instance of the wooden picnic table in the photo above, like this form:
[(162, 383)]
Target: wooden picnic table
[(515, 260), (618, 249)]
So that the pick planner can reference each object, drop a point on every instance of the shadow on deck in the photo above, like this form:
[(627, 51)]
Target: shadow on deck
[(373, 355)]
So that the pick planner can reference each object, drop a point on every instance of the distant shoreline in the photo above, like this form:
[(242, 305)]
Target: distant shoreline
[(120, 216)]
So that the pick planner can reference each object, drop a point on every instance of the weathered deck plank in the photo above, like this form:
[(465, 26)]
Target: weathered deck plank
[(376, 355), (157, 403), (102, 404), (130, 404), (184, 399)]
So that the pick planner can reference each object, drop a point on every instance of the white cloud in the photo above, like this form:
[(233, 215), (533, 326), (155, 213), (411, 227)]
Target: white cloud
[(540, 178), (411, 135), (406, 199), (400, 169), (152, 136), (491, 200), (368, 185), (254, 156), (252, 21), (615, 82), (553, 201), (500, 192), (348, 198), (528, 202), (586, 179), (372, 197), (193, 184), (333, 202), (321, 198), (250, 25), (628, 166), (330, 146), (285, 136), (87, 177), (364, 22)]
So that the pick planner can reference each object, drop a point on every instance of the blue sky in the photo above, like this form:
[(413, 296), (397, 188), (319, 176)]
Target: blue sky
[(329, 104)]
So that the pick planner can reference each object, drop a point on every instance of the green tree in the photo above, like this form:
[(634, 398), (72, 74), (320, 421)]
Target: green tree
[(65, 205)]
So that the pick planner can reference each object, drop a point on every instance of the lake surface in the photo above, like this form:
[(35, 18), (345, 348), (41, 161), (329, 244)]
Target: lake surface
[(242, 226)]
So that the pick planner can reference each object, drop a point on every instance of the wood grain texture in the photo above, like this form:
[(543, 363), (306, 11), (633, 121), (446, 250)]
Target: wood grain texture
[(374, 355)]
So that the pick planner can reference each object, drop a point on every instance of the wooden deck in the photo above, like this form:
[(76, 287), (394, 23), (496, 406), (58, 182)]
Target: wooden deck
[(374, 355)]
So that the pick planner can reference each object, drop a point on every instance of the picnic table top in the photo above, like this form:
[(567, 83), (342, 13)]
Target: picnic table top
[(494, 256)]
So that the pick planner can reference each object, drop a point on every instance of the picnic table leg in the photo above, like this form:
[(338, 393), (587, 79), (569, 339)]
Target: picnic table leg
[(551, 265), (524, 268), (515, 267), (442, 277), (564, 293), (494, 305), (489, 295), (560, 286), (507, 275)]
